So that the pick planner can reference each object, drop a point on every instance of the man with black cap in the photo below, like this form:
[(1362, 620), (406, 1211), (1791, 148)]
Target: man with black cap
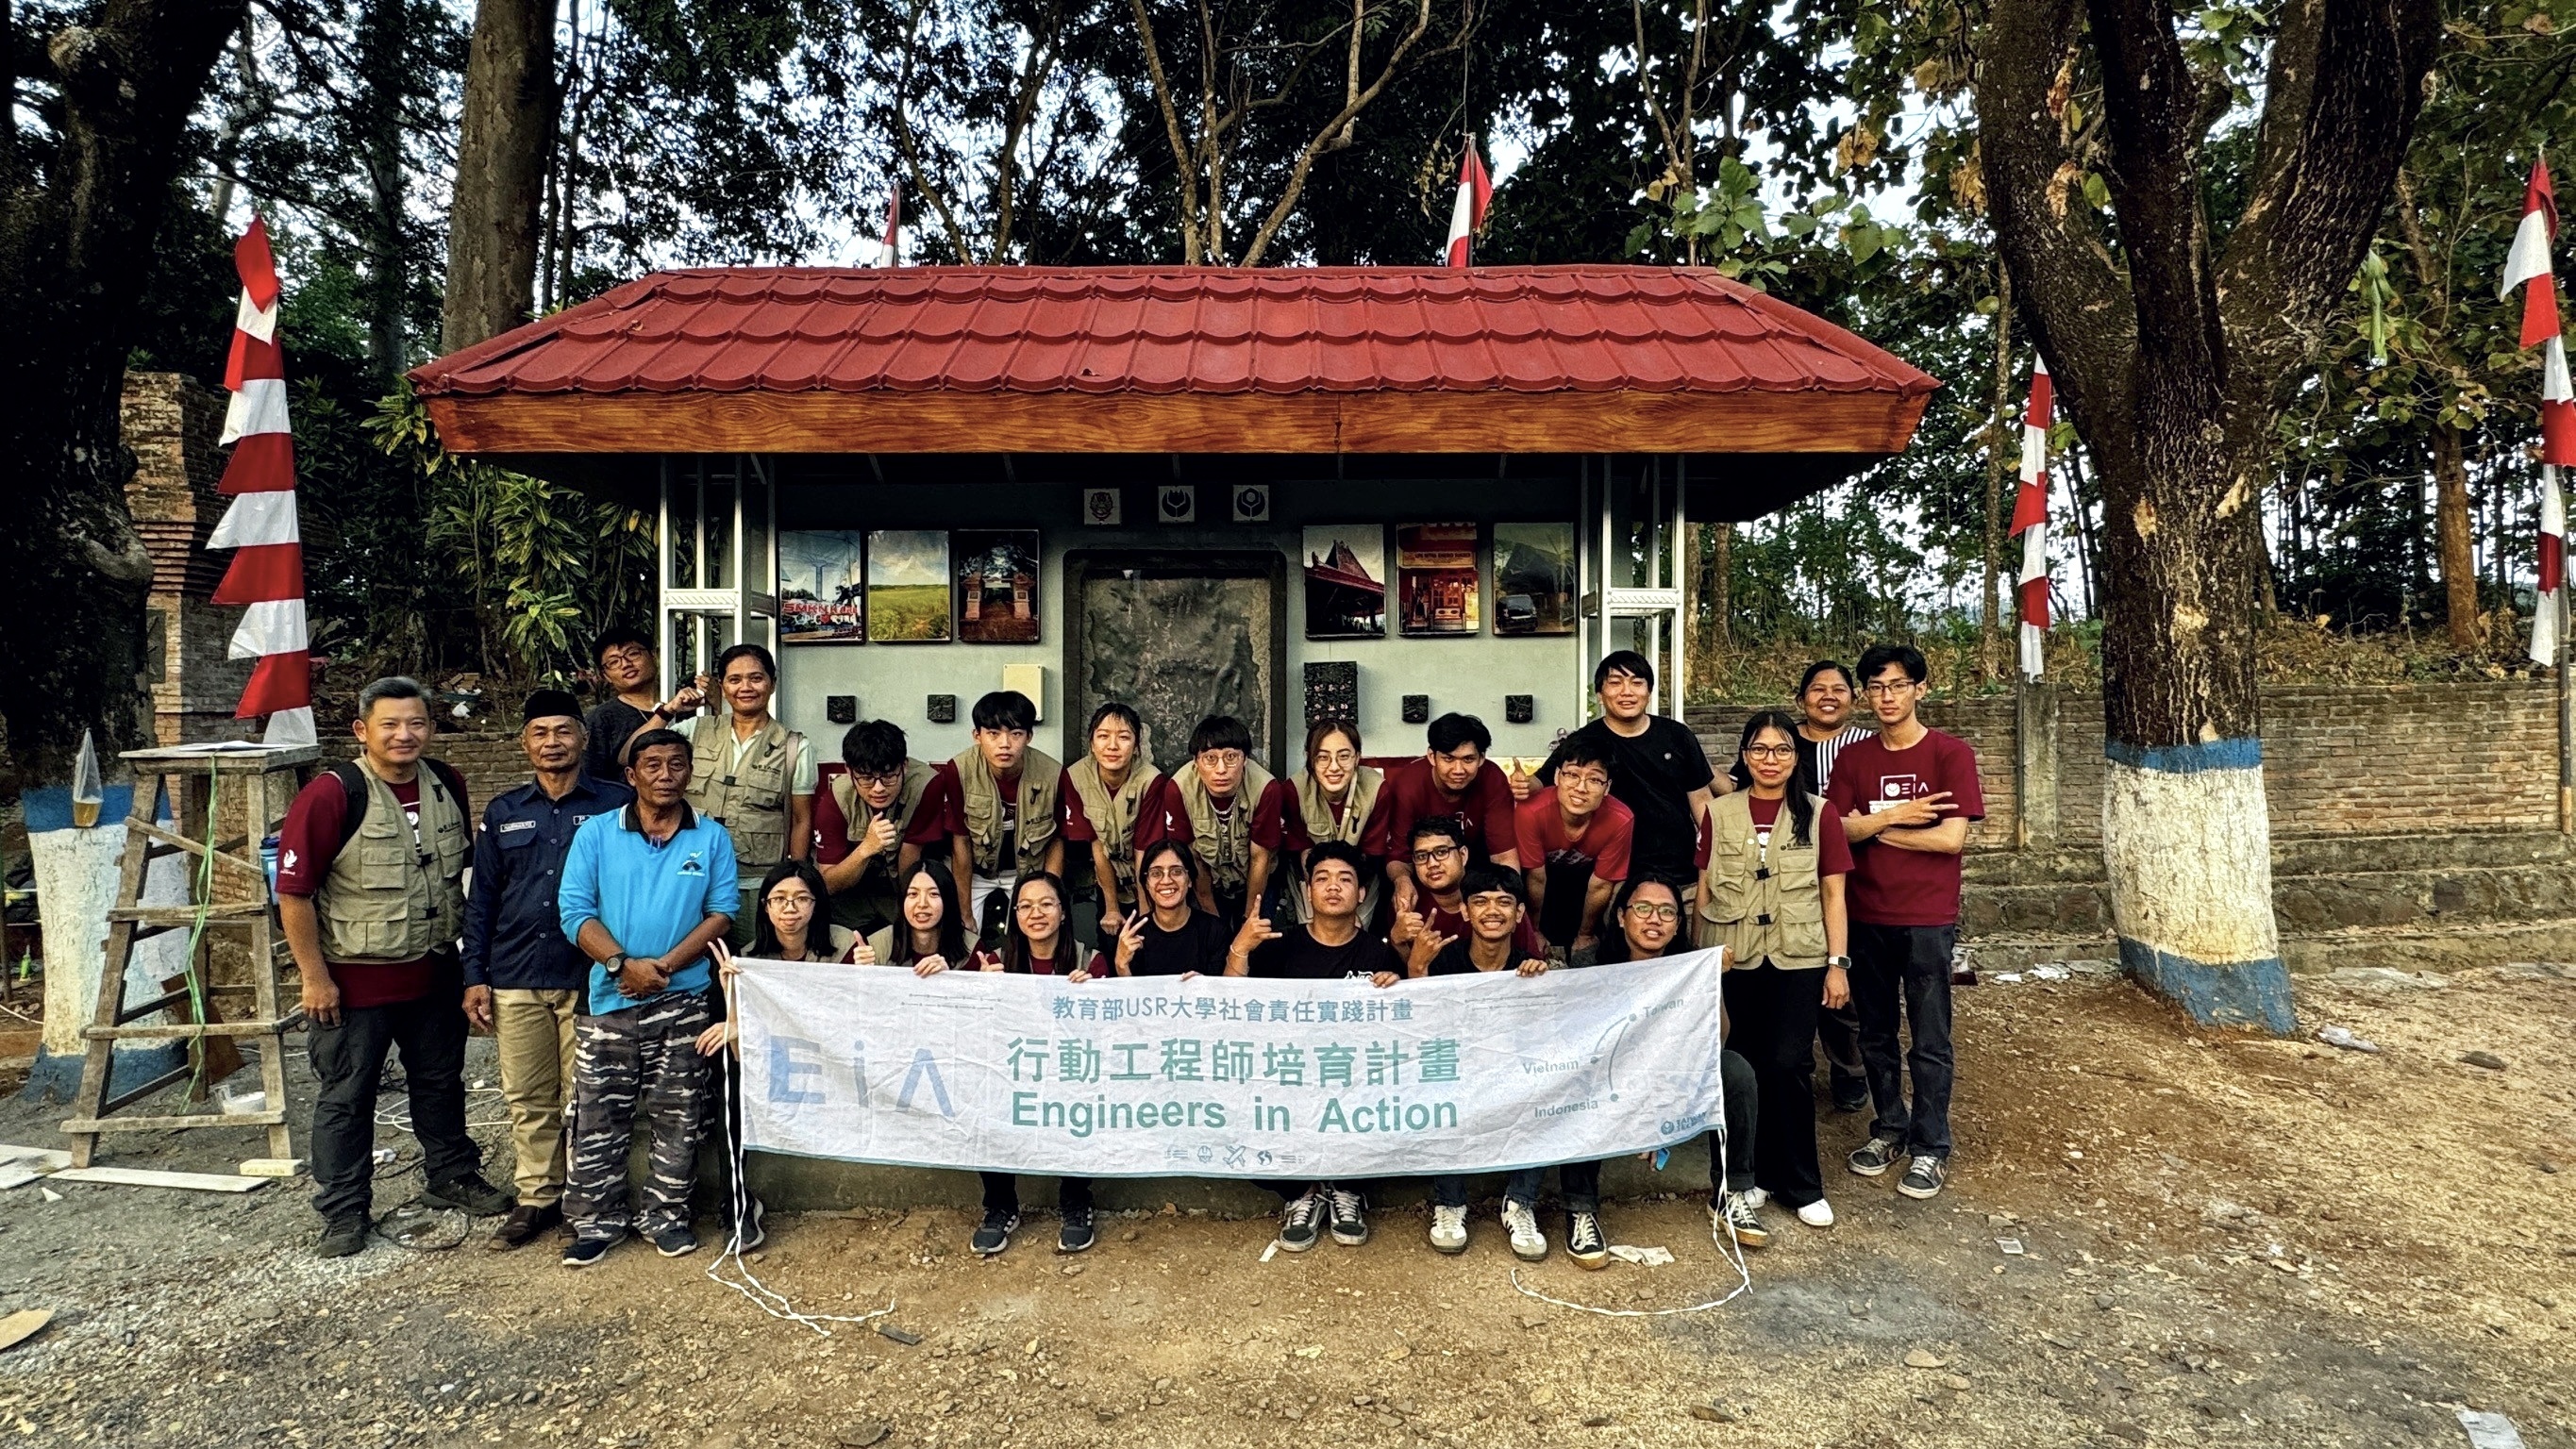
[(523, 979)]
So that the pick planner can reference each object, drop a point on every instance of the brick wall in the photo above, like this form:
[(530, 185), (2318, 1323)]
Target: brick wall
[(171, 423), (2377, 759)]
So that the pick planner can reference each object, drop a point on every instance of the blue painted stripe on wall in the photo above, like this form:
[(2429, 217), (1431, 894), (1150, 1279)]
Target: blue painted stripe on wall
[(51, 808), (2237, 993), (2238, 754)]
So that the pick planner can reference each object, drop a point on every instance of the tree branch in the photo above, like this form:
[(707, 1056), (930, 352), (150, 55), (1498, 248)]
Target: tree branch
[(1348, 117)]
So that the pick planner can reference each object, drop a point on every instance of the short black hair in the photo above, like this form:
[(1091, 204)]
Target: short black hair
[(1584, 748), (392, 686), (1341, 850), (1820, 666), (874, 747), (618, 638), (1005, 710), (768, 662), (1220, 732), (1453, 729), (1484, 880), (1879, 656), (1622, 661), (1430, 825), (654, 740), (1114, 709)]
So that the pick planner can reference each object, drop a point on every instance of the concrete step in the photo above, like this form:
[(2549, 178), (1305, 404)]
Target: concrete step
[(2426, 899), (2404, 947)]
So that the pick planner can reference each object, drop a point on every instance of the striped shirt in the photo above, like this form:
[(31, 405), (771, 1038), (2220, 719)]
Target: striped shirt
[(1819, 755)]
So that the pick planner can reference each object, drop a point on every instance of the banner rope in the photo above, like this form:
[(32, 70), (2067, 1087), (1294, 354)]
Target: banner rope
[(1734, 1255)]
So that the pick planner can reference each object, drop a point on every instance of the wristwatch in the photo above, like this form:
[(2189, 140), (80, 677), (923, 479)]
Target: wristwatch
[(1843, 962), (616, 964)]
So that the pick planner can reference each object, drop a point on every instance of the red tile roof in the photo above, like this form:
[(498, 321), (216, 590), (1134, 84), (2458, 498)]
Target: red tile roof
[(1163, 331)]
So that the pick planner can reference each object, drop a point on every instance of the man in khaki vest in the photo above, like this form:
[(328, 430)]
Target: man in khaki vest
[(1214, 804), (752, 775), (1001, 803), (370, 871), (869, 824)]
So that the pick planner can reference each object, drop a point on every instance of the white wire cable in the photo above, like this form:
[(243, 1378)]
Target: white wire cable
[(1733, 1253)]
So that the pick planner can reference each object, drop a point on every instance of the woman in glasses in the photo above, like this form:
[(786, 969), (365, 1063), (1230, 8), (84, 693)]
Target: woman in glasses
[(1169, 935), (1771, 892), (1038, 945), (1332, 799), (1645, 922)]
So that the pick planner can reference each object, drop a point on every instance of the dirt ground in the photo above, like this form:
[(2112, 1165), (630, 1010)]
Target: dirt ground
[(2229, 1242)]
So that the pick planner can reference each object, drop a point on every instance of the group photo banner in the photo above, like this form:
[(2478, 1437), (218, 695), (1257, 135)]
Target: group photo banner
[(1227, 1076)]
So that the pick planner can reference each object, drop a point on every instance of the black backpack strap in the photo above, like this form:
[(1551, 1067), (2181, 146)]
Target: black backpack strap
[(353, 789), (449, 777)]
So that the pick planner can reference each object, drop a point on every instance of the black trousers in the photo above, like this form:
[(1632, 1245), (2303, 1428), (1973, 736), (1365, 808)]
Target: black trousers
[(1002, 1190), (1774, 1023), (1730, 1163), (350, 1057), (1838, 1032), (1904, 971), (1561, 917)]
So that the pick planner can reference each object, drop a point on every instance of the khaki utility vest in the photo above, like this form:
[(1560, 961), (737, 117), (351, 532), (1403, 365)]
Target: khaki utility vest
[(1359, 803), (1113, 813), (393, 895), (749, 800), (982, 794), (1760, 906), (858, 814), (1223, 843)]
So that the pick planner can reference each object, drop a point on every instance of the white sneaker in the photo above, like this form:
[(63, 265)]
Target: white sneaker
[(1757, 1197), (1817, 1214), (1528, 1243), (1449, 1228)]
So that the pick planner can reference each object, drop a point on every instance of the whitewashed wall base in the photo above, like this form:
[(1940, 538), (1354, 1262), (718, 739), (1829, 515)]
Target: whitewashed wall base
[(2188, 849)]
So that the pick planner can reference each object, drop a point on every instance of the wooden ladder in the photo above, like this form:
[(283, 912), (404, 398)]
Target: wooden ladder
[(254, 788)]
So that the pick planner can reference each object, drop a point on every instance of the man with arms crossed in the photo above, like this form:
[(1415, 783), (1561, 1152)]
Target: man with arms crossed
[(1905, 799)]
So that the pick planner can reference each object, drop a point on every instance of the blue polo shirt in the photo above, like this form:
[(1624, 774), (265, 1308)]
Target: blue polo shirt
[(514, 936), (650, 897)]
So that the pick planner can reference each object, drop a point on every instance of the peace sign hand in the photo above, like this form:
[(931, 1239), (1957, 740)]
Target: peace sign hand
[(1131, 935)]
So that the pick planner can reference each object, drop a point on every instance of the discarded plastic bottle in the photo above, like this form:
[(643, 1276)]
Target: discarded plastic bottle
[(89, 790)]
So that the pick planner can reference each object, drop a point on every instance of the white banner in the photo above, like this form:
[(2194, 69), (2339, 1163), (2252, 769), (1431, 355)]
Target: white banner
[(1228, 1077)]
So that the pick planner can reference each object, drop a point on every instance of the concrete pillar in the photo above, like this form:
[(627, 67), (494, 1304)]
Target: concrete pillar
[(2035, 707)]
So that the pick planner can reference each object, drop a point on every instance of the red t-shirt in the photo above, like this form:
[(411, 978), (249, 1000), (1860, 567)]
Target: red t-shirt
[(1281, 823), (832, 828), (1172, 816), (1410, 794), (1604, 845), (1891, 886), (308, 843), (1098, 965)]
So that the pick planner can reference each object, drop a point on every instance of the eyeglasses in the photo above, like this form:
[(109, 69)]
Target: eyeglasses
[(1582, 779), (1771, 752), (791, 901), (878, 782), (1037, 904), (1223, 759), (1886, 688), (1168, 872), (1437, 853), (1655, 913)]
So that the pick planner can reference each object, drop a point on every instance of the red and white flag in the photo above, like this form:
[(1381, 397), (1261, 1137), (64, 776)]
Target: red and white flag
[(2528, 266), (267, 573), (890, 250), (2030, 522), (1475, 190)]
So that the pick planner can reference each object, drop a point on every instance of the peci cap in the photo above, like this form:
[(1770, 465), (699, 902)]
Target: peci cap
[(547, 703)]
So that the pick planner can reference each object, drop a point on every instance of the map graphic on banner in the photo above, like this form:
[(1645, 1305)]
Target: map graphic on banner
[(1228, 1076)]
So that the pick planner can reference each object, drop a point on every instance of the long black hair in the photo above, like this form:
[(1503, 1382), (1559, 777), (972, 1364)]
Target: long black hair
[(1614, 943), (952, 921), (818, 930), (1802, 781), (1015, 945)]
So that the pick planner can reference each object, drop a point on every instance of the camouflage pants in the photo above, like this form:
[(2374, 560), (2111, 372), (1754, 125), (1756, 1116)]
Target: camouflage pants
[(643, 1057)]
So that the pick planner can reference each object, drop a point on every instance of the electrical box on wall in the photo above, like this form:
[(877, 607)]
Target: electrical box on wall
[(1519, 708), (940, 709), (1417, 709), (841, 709)]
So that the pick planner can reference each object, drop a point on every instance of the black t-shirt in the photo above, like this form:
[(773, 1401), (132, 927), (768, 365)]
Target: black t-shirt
[(609, 725), (1199, 945), (1453, 960), (1298, 956), (1653, 775)]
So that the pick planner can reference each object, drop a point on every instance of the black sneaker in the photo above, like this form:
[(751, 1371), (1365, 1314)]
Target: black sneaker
[(1297, 1221), (675, 1242), (1075, 1234), (1583, 1240), (1923, 1177), (1350, 1229), (586, 1251), (747, 1225), (470, 1195), (995, 1234), (342, 1238), (1875, 1156)]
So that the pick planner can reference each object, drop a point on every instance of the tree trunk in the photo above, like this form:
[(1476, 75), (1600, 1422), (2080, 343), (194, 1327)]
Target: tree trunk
[(380, 110), (501, 149), (1721, 587), (2175, 358), (2451, 527), (73, 571)]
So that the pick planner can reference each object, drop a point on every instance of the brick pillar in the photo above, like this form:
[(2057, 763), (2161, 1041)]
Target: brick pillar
[(171, 424), (2035, 763)]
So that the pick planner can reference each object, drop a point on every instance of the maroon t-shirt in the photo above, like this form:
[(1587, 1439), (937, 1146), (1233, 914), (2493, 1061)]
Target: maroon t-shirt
[(832, 828), (1097, 965), (308, 843), (1411, 794), (1891, 886)]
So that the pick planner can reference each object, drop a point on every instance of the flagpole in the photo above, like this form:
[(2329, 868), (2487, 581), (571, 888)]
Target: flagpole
[(2566, 727)]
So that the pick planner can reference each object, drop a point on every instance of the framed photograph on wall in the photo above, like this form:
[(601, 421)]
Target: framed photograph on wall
[(1435, 570), (908, 586), (1534, 578), (997, 585), (1346, 581), (822, 588)]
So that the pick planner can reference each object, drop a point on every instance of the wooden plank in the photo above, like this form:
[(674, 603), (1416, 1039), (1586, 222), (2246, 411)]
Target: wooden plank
[(44, 1159), (146, 1177), (1318, 423), (187, 1031), (175, 760), (270, 1118), (272, 1167), (14, 1175), (22, 1325), (241, 914)]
